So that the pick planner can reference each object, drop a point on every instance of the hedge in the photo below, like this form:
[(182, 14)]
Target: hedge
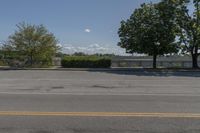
[(85, 62)]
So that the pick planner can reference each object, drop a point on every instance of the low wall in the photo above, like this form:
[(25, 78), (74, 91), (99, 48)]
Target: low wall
[(147, 62), (57, 61)]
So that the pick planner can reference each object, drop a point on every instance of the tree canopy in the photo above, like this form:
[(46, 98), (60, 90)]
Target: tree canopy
[(189, 29), (34, 43), (150, 30)]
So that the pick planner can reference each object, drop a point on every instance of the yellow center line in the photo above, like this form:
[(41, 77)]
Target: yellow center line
[(101, 114)]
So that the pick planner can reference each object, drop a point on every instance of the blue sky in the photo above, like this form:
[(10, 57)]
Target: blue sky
[(80, 25)]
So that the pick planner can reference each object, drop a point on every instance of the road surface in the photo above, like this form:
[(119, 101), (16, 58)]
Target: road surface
[(99, 102)]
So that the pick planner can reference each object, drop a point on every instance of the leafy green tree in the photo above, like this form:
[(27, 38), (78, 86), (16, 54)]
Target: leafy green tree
[(150, 30), (34, 43), (189, 25)]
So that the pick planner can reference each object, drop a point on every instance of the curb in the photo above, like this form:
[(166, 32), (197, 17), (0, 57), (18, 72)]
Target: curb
[(108, 69)]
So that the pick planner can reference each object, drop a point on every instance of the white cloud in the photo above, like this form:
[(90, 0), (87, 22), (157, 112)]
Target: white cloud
[(93, 49), (88, 30), (94, 45), (1, 44), (59, 45)]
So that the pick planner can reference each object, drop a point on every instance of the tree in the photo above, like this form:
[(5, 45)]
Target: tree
[(34, 43), (150, 30), (189, 25), (79, 54)]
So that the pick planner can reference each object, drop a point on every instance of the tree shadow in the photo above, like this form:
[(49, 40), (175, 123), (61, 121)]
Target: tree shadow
[(129, 71), (153, 72)]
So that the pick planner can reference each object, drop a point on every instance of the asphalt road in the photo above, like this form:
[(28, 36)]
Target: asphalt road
[(99, 102)]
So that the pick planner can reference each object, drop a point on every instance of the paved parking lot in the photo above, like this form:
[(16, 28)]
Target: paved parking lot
[(104, 82), (34, 101)]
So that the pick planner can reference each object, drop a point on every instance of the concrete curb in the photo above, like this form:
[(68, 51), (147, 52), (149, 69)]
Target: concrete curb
[(107, 69)]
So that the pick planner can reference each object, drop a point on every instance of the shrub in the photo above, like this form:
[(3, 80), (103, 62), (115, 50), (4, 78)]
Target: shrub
[(3, 63), (85, 62)]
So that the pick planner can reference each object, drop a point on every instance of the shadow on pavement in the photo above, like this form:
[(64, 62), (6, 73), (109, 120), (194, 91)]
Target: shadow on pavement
[(151, 72), (123, 71)]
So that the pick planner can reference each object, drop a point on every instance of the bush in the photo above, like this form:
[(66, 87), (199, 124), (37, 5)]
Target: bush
[(85, 62), (3, 63)]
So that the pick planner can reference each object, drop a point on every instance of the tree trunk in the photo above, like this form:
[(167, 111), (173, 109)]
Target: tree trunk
[(154, 61), (195, 61), (31, 60)]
